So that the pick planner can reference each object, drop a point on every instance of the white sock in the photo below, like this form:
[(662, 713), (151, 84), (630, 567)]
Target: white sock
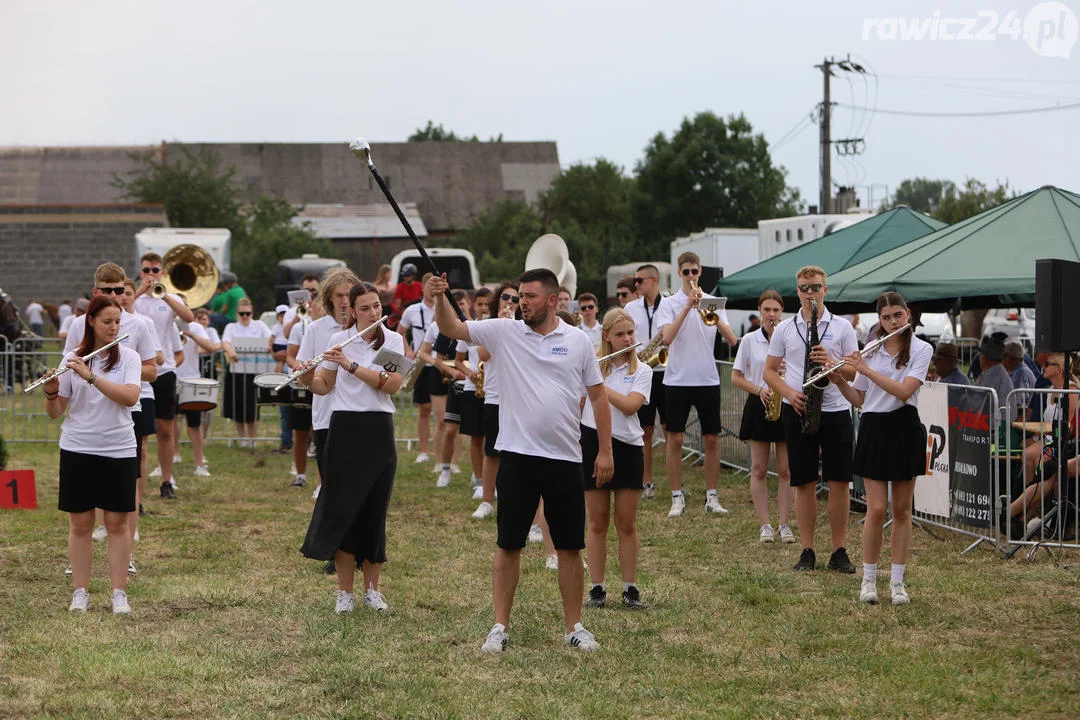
[(476, 480), (676, 493), (626, 586), (301, 476), (710, 493), (897, 573), (869, 571)]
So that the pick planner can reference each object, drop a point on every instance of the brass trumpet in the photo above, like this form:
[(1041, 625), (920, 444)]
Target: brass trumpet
[(709, 316)]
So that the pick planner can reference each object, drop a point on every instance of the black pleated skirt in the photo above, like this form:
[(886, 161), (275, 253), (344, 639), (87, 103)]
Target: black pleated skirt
[(754, 426), (891, 446)]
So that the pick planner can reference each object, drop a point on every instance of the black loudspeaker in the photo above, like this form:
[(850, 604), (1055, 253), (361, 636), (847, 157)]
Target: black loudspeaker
[(1056, 329), (708, 279)]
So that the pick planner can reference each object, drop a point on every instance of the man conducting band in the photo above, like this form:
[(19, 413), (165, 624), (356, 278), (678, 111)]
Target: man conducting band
[(834, 440), (551, 365)]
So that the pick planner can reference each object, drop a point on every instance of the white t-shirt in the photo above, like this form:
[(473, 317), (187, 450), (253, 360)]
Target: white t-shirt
[(540, 393), (626, 428), (296, 335), (141, 340), (63, 312), (146, 390), (65, 325), (751, 356), (164, 320), (418, 316), (255, 329), (690, 357), (278, 331), (33, 313), (789, 341), (473, 352), (646, 321), (190, 367), (877, 400), (316, 339), (94, 424), (350, 392), (594, 334)]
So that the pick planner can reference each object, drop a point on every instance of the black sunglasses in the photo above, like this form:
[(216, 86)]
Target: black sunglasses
[(113, 290), (810, 287), (639, 281), (243, 314), (154, 270), (690, 271), (507, 297), (623, 293), (587, 307)]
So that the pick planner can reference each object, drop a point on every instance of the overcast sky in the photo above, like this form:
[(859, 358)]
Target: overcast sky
[(599, 78)]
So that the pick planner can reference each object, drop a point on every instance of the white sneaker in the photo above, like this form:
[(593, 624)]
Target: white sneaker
[(135, 538), (478, 492), (582, 639), (497, 640), (156, 472), (346, 601), (172, 481), (422, 458), (868, 594), (535, 534), (767, 535), (315, 493), (202, 471), (375, 600), (454, 469), (100, 533), (678, 506), (786, 536), (899, 594), (131, 566), (311, 451), (649, 491), (80, 601), (551, 562), (444, 479), (712, 505), (68, 571), (292, 468), (119, 602), (176, 458), (485, 510)]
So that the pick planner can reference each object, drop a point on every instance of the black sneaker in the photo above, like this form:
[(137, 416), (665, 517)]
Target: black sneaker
[(167, 491), (807, 560), (597, 597), (631, 598), (840, 562), (330, 568), (142, 512)]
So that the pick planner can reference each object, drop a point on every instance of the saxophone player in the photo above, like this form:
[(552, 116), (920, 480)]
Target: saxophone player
[(647, 326), (834, 439)]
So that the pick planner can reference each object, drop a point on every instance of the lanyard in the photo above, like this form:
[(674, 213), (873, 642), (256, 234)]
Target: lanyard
[(649, 316)]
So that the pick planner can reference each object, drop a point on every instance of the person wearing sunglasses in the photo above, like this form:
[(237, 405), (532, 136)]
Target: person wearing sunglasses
[(587, 306), (240, 395), (691, 380), (644, 309), (835, 440), (625, 291)]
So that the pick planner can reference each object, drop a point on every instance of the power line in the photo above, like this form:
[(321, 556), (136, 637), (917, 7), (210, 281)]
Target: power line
[(994, 113)]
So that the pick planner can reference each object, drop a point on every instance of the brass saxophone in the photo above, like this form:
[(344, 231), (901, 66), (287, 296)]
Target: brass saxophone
[(480, 380), (811, 418), (772, 410), (651, 355)]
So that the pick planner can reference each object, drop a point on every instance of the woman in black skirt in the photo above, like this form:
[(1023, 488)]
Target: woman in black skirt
[(892, 441), (349, 521), (98, 464), (761, 433), (628, 384)]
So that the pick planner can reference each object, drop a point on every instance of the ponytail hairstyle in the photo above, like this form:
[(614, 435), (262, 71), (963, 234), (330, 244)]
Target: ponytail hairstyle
[(894, 298), (363, 288), (611, 318), (97, 304)]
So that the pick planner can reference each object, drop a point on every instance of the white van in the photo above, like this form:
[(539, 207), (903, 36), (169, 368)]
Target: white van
[(459, 266)]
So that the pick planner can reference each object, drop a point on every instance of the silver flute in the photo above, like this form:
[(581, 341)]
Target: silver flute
[(618, 352), (870, 347), (314, 362), (60, 371)]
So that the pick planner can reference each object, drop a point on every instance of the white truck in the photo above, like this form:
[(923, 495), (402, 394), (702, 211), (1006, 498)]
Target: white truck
[(723, 251), (160, 240)]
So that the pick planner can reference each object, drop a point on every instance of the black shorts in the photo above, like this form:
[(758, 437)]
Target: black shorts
[(706, 398), (165, 396), (92, 481), (834, 442), (300, 419), (193, 418), (629, 462), (421, 393), (438, 385), (521, 482), (144, 419), (240, 397), (453, 403), (491, 429), (891, 446), (754, 425), (657, 403), (472, 414), (278, 347)]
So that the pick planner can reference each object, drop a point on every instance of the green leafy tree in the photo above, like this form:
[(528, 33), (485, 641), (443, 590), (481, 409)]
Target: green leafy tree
[(437, 133), (972, 200), (712, 172), (500, 237), (923, 194)]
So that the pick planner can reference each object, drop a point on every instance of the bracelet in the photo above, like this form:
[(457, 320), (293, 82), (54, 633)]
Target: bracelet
[(53, 395)]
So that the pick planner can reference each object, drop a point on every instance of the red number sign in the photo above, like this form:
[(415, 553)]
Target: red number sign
[(17, 490)]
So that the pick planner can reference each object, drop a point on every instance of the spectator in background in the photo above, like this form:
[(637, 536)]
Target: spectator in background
[(1041, 381), (385, 285), (945, 359), (481, 303), (563, 300), (1020, 374), (753, 322), (80, 309), (226, 302), (63, 312), (625, 291), (9, 319), (33, 316), (993, 374), (409, 290)]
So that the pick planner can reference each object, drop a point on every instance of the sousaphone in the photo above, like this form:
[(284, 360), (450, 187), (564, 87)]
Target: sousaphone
[(550, 252)]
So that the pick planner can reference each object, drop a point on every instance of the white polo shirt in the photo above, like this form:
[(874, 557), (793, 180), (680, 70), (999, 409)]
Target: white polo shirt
[(146, 390), (473, 351), (418, 316), (625, 428), (143, 340), (94, 424), (595, 334), (751, 356), (190, 367), (254, 329), (691, 361), (350, 392), (789, 341), (877, 400), (164, 320), (646, 321), (316, 338), (541, 388)]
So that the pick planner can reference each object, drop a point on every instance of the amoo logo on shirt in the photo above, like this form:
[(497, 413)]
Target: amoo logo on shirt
[(560, 350)]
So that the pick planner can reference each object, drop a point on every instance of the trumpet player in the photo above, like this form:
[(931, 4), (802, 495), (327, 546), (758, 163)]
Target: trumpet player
[(761, 431), (293, 315), (834, 440), (692, 380), (643, 310)]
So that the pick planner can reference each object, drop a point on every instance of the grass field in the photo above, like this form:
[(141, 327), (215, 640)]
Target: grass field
[(229, 620)]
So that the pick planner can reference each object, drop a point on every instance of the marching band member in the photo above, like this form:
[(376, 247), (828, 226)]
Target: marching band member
[(762, 433), (240, 386), (627, 383), (439, 391), (196, 340), (588, 307), (417, 317), (349, 521), (892, 440), (644, 310), (691, 379), (299, 418), (98, 462)]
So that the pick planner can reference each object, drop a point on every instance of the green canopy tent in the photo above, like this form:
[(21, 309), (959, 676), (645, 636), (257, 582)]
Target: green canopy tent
[(987, 260), (833, 252)]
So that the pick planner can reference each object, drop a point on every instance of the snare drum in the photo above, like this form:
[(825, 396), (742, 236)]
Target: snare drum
[(197, 394), (293, 395)]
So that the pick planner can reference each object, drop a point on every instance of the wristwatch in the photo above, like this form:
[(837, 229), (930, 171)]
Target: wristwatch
[(92, 379), (353, 367)]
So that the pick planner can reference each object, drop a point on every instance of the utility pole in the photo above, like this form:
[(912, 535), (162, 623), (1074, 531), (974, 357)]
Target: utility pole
[(852, 146)]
